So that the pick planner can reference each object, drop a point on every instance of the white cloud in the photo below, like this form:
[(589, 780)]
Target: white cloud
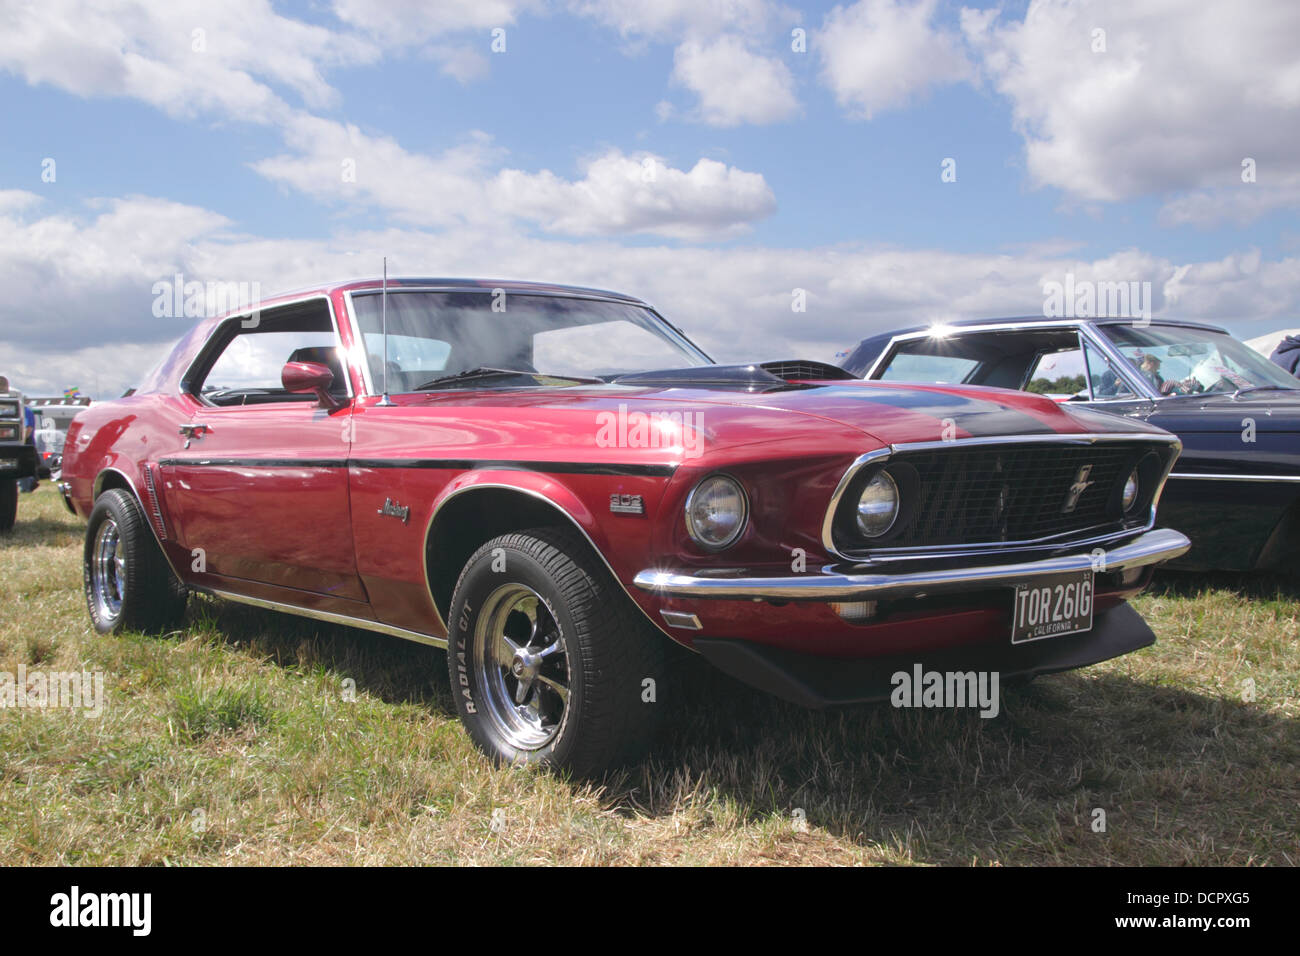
[(736, 301), (1184, 91), (716, 56), (881, 54), (734, 84), (455, 34), (185, 57), (412, 22), (338, 162), (672, 19), (1241, 203), (638, 194), (467, 185)]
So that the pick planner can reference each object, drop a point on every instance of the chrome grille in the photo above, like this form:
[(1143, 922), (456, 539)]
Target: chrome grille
[(1011, 494), (1002, 493)]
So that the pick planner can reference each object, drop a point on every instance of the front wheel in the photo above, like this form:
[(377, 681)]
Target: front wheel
[(129, 585), (549, 662)]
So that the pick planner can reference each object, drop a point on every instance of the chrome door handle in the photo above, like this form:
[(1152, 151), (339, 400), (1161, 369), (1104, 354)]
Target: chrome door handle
[(193, 431)]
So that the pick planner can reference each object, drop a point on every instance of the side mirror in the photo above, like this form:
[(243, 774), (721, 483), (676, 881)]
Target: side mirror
[(310, 377)]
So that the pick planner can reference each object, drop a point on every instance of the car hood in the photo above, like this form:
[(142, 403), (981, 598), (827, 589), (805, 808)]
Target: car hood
[(886, 413)]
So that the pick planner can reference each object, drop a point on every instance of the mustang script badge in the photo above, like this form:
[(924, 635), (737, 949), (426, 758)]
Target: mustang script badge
[(392, 509)]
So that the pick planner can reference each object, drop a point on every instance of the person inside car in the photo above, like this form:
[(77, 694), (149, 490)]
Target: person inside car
[(1150, 368)]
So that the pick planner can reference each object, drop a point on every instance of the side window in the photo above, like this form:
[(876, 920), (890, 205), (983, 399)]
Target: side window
[(1059, 374), (935, 369), (1107, 384), (247, 369)]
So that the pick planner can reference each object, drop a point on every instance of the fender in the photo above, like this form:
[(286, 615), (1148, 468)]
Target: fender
[(122, 478), (542, 487)]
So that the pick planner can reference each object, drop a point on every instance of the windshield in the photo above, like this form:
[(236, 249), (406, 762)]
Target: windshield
[(1189, 361), (553, 340)]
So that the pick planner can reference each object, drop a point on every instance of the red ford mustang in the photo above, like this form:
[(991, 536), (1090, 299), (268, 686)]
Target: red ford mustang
[(561, 481)]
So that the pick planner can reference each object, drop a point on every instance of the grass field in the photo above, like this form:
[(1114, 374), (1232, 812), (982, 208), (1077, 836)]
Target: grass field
[(232, 741)]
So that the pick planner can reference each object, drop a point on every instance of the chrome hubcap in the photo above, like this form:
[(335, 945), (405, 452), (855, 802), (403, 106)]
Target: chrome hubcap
[(522, 665), (108, 570)]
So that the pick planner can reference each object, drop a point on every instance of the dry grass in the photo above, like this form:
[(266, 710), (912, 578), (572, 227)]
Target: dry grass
[(231, 742)]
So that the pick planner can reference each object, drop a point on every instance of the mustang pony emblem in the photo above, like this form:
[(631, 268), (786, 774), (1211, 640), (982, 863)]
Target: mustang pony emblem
[(392, 509), (1081, 484)]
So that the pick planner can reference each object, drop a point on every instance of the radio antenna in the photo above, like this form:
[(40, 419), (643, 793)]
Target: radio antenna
[(383, 312)]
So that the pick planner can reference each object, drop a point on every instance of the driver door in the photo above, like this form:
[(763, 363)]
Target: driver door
[(261, 486)]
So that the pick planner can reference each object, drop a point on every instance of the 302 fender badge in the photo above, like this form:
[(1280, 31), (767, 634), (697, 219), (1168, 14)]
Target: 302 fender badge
[(626, 504), (392, 509)]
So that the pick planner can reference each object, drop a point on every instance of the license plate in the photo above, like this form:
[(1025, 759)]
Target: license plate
[(1052, 606)]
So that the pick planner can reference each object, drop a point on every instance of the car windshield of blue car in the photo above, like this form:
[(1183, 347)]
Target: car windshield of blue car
[(498, 339), (1182, 360)]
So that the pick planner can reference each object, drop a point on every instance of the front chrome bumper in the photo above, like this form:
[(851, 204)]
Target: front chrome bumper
[(835, 584)]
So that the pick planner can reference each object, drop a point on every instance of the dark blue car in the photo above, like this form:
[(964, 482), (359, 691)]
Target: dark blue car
[(1236, 489)]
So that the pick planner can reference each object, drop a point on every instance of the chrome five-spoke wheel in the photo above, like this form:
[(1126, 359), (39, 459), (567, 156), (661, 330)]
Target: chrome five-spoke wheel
[(108, 570), (550, 664), (129, 585), (522, 666)]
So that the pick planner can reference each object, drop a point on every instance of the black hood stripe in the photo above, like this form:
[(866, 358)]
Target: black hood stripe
[(981, 418)]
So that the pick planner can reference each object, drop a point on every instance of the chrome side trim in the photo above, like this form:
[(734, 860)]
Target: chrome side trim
[(327, 616), (828, 541), (428, 531), (155, 508), (1196, 477), (832, 584)]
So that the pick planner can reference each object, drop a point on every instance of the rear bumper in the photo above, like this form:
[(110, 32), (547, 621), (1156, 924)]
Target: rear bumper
[(834, 583), (820, 682), (18, 461)]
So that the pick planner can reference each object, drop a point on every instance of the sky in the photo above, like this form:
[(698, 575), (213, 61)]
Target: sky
[(876, 164)]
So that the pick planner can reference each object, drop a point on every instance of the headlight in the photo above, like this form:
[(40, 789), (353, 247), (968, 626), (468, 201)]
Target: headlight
[(878, 505), (716, 512), (1130, 496)]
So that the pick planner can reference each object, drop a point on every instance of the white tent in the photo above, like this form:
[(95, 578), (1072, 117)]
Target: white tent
[(1265, 344)]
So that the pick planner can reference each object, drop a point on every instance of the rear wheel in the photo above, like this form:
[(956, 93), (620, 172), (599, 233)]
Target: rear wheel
[(8, 503), (129, 585), (549, 663)]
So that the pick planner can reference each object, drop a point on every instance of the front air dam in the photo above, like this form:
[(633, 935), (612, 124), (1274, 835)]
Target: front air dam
[(820, 682)]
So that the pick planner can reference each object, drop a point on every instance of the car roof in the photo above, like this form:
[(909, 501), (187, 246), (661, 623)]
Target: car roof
[(443, 283), (869, 348), (1033, 320)]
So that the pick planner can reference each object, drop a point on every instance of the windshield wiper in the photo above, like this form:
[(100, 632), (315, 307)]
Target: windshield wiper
[(486, 372)]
